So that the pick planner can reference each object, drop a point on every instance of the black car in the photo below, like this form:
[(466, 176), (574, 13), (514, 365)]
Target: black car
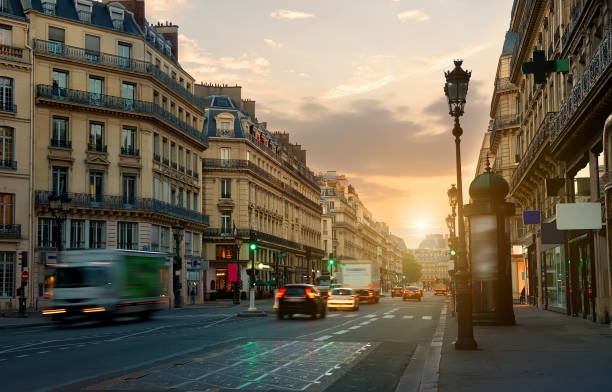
[(300, 299)]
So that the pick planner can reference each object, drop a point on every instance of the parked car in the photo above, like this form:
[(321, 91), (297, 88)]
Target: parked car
[(343, 298), (412, 292), (397, 291), (300, 299)]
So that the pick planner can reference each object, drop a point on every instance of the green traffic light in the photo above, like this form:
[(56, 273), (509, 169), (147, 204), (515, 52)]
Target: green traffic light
[(331, 261), (253, 246), (452, 252)]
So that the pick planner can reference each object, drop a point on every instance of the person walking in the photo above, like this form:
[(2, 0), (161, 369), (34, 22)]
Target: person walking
[(193, 292)]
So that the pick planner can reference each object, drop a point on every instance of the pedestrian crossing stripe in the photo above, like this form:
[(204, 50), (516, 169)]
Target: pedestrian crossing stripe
[(389, 316), (426, 317), (408, 317), (333, 315)]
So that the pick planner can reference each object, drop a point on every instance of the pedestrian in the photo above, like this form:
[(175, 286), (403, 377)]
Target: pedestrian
[(522, 296), (193, 293)]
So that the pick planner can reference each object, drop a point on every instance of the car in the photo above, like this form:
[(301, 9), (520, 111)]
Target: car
[(343, 298), (412, 292), (300, 299), (397, 291)]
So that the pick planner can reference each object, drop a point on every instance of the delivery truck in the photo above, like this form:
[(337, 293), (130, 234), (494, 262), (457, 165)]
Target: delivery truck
[(363, 277), (106, 283)]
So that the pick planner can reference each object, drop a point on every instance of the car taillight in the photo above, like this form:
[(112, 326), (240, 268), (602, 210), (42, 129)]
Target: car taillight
[(352, 297), (371, 293), (310, 294), (281, 293), (330, 297)]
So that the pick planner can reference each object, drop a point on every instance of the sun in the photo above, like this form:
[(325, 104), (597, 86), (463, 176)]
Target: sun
[(422, 225)]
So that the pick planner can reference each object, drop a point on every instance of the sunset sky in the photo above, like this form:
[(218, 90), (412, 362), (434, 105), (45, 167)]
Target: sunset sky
[(358, 83)]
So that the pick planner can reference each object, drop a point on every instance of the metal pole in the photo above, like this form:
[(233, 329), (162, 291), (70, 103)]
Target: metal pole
[(465, 332), (252, 307)]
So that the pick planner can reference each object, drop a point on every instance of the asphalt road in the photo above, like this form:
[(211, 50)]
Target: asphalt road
[(211, 349)]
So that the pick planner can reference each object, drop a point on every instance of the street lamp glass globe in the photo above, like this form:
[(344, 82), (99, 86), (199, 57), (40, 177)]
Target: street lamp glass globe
[(456, 88)]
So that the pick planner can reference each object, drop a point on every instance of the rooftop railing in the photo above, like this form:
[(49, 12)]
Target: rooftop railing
[(118, 202), (112, 102)]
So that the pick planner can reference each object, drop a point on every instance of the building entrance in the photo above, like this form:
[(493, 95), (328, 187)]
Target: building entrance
[(582, 277)]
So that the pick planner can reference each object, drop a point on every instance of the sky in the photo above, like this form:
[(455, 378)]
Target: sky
[(359, 84)]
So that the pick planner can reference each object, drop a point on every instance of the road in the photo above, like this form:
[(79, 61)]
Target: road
[(195, 349)]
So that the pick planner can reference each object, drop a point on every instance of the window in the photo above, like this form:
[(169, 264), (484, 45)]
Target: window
[(96, 186), (128, 141), (77, 234), (195, 165), (173, 154), (6, 35), (127, 235), (165, 191), (46, 233), (56, 41), (156, 188), (155, 98), (7, 274), (157, 63), (96, 90), (226, 228), (226, 188), (129, 189), (92, 48), (96, 137), (148, 57), (225, 156), (59, 178), (173, 75), (165, 104), (324, 227), (188, 161), (165, 150), (7, 209), (155, 235), (225, 252), (166, 69), (156, 146), (225, 125), (181, 159), (195, 201), (188, 243), (173, 196), (181, 81), (97, 234), (6, 95), (124, 53), (188, 200), (180, 197), (7, 148), (164, 239), (60, 84), (128, 93)]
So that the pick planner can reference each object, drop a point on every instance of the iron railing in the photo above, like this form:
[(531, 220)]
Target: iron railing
[(10, 232), (8, 164), (114, 61), (165, 161), (112, 102), (96, 147), (118, 202), (156, 157), (506, 120), (61, 143), (7, 107), (130, 151), (254, 235)]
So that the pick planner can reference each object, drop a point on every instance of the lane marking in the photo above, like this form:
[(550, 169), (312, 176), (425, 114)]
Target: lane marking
[(134, 334), (64, 348), (333, 315), (364, 323), (341, 332), (426, 317), (408, 317), (3, 359), (23, 355), (44, 352), (355, 327), (324, 337), (371, 315), (389, 316), (373, 319), (351, 315)]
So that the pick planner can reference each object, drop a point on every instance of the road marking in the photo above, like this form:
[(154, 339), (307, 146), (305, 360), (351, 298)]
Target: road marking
[(374, 319), (426, 317), (3, 359), (341, 332), (134, 334), (355, 327), (392, 310), (324, 337), (371, 315), (64, 348), (408, 317), (44, 352), (333, 315), (22, 356), (352, 315), (364, 323), (389, 316)]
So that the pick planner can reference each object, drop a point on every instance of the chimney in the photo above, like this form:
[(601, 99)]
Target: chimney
[(170, 33), (137, 7), (248, 106)]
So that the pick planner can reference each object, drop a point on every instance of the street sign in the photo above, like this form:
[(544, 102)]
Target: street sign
[(539, 67), (25, 276)]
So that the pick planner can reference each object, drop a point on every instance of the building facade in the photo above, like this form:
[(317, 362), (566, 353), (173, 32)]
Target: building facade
[(257, 189), (433, 255), (561, 141)]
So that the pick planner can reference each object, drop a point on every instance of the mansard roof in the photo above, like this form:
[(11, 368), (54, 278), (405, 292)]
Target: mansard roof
[(509, 42)]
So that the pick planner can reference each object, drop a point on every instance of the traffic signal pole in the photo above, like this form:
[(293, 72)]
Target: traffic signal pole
[(252, 249)]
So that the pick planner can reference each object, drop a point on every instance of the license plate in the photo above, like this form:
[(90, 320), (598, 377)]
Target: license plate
[(294, 300)]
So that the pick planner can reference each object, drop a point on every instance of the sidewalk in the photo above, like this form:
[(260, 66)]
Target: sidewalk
[(544, 351), (228, 303)]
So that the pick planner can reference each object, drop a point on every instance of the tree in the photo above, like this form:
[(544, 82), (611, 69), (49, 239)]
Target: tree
[(411, 268)]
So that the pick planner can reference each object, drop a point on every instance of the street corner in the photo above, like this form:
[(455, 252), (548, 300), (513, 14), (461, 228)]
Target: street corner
[(245, 365)]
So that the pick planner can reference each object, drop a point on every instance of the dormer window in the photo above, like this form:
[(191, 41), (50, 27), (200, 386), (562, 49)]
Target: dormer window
[(49, 6), (117, 14), (84, 9), (168, 49)]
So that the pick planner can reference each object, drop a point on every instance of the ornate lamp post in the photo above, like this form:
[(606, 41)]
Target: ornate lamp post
[(177, 230), (456, 88), (237, 284), (59, 206)]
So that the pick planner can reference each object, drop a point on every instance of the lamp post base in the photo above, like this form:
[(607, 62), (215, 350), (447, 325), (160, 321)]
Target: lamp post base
[(466, 344), (252, 307)]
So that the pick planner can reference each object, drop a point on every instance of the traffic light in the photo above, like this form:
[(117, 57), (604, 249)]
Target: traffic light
[(178, 263), (404, 277), (253, 246), (452, 252), (23, 256)]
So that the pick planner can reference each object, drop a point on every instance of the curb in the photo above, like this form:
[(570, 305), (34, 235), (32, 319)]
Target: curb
[(13, 326), (256, 313)]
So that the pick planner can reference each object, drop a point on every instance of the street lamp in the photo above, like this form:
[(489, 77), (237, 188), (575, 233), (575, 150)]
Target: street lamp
[(456, 88), (237, 284), (177, 230), (452, 198), (59, 206)]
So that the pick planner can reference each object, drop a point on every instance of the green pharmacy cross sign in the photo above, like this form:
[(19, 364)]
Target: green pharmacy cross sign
[(539, 67)]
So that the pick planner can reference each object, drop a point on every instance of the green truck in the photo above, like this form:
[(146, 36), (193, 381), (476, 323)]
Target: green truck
[(107, 283)]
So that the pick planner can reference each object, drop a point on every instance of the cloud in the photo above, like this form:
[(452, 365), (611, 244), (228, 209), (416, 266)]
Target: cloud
[(413, 15), (273, 43), (364, 79), (257, 65), (291, 15)]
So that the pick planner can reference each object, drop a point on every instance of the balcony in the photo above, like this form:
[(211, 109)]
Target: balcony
[(134, 204), (10, 232), (165, 161), (11, 52), (181, 168), (96, 147), (84, 16), (61, 143), (506, 121), (597, 66), (173, 165), (504, 84), (156, 158), (132, 151), (113, 61), (118, 103), (189, 172), (253, 234), (10, 108), (8, 164)]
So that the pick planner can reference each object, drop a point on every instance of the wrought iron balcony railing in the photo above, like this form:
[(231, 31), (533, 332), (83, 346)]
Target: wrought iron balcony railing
[(118, 202), (173, 165), (96, 147), (10, 232), (114, 61), (254, 234), (61, 143), (118, 103), (165, 161), (156, 157), (506, 120), (8, 107), (189, 172), (130, 151), (8, 164)]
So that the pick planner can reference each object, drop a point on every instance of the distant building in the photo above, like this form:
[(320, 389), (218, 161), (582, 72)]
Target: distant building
[(434, 262)]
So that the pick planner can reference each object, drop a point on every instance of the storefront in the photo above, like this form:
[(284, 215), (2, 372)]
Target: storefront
[(582, 277), (555, 279)]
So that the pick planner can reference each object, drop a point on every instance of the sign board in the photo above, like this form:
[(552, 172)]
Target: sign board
[(25, 276), (483, 243), (578, 216), (531, 217), (232, 272), (550, 234)]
